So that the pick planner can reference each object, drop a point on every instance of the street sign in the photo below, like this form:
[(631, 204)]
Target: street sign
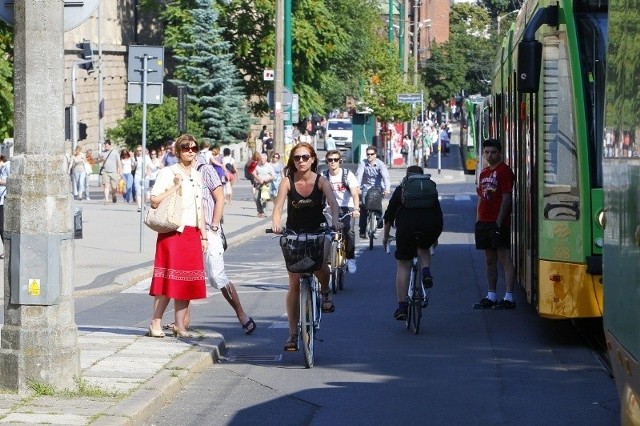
[(295, 109), (75, 12), (410, 98), (287, 98), (155, 63), (268, 75), (154, 93)]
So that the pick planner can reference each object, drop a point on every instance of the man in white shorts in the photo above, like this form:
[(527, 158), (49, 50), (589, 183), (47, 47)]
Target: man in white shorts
[(213, 205)]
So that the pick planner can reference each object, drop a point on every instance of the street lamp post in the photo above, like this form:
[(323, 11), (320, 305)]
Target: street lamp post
[(501, 17), (416, 20)]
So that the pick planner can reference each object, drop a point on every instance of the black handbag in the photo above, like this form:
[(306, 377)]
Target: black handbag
[(224, 239)]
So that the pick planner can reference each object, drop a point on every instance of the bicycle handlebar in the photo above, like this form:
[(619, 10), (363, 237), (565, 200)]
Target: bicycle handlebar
[(387, 248), (285, 231)]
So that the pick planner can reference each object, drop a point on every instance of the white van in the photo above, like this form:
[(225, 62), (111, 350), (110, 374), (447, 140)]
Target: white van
[(341, 130)]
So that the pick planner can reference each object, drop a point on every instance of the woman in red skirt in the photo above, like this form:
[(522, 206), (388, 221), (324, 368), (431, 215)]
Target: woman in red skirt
[(178, 270)]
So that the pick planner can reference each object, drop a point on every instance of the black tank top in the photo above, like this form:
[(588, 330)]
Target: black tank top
[(305, 213)]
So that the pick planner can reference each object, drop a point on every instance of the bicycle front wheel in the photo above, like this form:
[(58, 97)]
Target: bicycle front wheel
[(307, 331), (334, 279), (340, 275)]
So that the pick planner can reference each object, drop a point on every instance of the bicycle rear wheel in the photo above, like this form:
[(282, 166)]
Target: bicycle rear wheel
[(414, 300), (307, 331), (372, 228)]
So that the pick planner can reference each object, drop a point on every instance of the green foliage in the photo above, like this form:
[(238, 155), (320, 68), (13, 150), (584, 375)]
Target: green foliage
[(465, 62), (6, 81), (331, 43), (161, 124), (384, 85), (205, 66)]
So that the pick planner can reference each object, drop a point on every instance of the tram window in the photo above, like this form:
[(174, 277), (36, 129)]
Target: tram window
[(561, 199)]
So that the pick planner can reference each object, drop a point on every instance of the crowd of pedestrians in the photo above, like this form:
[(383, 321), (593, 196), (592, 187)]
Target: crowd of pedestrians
[(192, 256)]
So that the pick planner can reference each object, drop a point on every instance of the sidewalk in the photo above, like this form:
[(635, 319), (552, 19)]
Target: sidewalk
[(127, 376)]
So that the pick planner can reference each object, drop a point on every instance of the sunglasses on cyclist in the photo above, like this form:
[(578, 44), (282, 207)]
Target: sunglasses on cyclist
[(333, 160), (187, 148), (303, 157)]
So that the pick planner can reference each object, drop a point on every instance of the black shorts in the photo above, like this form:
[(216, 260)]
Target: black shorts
[(487, 239)]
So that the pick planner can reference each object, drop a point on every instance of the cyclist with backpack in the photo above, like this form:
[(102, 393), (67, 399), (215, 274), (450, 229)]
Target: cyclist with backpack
[(372, 173), (345, 188), (415, 209)]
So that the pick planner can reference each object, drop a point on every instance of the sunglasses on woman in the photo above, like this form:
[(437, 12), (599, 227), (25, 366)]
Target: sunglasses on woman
[(303, 157), (187, 148)]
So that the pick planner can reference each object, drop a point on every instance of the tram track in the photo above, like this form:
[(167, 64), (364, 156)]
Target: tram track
[(592, 333)]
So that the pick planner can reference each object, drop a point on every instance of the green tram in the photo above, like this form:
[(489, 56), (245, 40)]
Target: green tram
[(547, 102), (473, 130), (621, 169)]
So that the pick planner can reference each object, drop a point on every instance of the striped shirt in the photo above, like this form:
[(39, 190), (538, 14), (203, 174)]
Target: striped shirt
[(211, 181)]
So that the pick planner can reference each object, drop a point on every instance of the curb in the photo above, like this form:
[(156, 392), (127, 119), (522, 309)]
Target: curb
[(152, 395)]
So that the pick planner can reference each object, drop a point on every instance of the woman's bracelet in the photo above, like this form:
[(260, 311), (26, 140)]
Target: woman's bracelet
[(204, 239)]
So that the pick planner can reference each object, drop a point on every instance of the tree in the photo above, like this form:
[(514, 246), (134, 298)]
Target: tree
[(6, 80), (161, 123), (464, 62), (205, 66), (384, 85)]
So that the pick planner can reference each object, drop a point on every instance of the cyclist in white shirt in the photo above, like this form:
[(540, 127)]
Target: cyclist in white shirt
[(347, 192)]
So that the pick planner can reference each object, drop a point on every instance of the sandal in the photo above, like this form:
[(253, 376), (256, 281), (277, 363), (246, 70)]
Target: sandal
[(248, 324), (327, 303), (291, 345)]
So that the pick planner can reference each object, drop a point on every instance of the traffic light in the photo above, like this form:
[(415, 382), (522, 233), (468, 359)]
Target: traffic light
[(82, 131), (67, 123), (86, 52)]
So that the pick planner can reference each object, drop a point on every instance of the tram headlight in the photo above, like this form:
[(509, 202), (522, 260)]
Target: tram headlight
[(600, 242), (602, 220)]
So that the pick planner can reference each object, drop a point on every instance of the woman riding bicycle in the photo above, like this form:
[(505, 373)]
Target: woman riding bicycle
[(417, 229), (305, 192)]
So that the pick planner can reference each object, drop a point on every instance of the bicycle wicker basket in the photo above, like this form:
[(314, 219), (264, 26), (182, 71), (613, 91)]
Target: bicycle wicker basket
[(303, 253)]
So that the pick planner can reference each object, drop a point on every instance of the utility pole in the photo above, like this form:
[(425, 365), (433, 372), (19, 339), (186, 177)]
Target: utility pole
[(39, 335), (288, 74), (278, 82), (401, 36)]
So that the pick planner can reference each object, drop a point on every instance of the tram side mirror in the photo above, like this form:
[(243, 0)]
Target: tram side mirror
[(529, 61)]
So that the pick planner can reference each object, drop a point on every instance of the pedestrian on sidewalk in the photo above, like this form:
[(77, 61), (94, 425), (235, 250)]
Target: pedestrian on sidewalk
[(110, 171), (493, 229), (213, 204), (178, 269), (263, 175), (232, 173)]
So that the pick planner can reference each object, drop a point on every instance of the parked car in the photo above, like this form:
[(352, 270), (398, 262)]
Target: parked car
[(341, 130)]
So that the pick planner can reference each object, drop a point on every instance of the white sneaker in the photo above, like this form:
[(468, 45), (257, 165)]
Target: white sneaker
[(351, 266)]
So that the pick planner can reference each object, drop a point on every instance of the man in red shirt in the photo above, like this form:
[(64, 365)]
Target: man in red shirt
[(492, 230)]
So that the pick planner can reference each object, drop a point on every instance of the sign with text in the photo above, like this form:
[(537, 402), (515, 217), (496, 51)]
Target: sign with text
[(268, 75), (410, 98)]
